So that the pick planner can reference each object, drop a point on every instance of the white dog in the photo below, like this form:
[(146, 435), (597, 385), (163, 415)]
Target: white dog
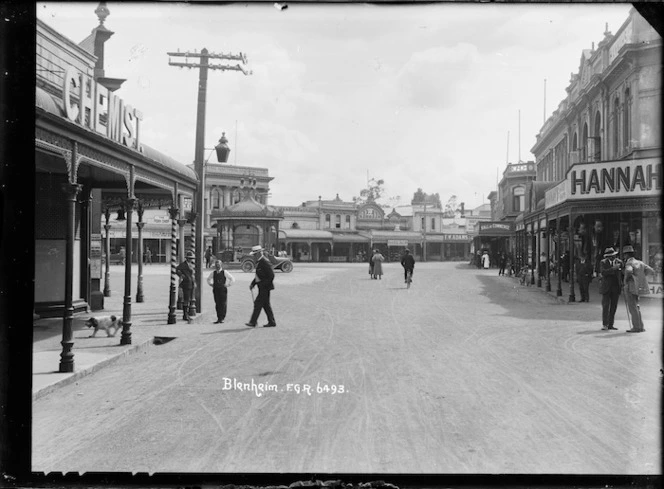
[(105, 323)]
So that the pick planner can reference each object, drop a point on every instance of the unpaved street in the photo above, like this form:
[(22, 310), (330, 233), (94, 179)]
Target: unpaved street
[(466, 372)]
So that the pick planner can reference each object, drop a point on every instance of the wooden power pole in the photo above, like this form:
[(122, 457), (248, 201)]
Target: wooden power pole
[(201, 61)]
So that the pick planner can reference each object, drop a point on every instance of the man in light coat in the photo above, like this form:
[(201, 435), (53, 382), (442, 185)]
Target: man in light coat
[(636, 284)]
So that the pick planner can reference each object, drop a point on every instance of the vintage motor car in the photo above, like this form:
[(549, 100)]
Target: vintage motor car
[(248, 263)]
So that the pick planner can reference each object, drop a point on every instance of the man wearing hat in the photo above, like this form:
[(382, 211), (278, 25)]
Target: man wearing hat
[(263, 279), (610, 269), (185, 271), (636, 284), (408, 264)]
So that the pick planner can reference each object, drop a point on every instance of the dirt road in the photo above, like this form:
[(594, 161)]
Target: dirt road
[(466, 372)]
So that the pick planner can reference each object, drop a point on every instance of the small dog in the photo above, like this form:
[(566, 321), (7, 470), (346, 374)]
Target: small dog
[(105, 323)]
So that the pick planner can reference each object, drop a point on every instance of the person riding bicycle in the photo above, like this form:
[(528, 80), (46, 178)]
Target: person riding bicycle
[(408, 264)]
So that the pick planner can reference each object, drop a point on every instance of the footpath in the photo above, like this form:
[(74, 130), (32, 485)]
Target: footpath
[(150, 324), (149, 327)]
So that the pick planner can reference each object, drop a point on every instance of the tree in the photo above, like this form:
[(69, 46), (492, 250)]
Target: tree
[(420, 197), (372, 193), (451, 207)]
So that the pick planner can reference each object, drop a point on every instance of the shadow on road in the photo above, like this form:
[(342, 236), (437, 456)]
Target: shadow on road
[(221, 331)]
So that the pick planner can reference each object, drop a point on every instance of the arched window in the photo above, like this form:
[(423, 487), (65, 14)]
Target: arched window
[(518, 199), (627, 121), (598, 137), (347, 222), (216, 198), (327, 220), (616, 124), (337, 224), (575, 142), (584, 141), (433, 223)]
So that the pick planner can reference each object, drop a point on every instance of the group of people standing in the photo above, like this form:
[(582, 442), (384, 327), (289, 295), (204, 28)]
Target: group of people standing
[(628, 277), (220, 280), (376, 265)]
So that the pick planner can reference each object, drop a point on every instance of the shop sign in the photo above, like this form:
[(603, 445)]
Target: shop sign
[(455, 237), (615, 179), (397, 242), (520, 167), (83, 95), (500, 226), (542, 223), (623, 38), (161, 219)]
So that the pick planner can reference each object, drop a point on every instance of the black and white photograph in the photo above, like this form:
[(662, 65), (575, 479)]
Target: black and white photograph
[(347, 238)]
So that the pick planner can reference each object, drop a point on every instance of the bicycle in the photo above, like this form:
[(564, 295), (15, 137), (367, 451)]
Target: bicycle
[(409, 278)]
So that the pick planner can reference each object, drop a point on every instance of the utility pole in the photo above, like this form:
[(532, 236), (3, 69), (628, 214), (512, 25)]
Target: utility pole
[(203, 65)]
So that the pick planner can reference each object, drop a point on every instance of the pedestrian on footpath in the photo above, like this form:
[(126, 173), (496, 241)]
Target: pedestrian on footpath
[(208, 257), (185, 271), (502, 264), (486, 261), (584, 275), (264, 280), (610, 269), (636, 284), (408, 264), (220, 280), (148, 256), (377, 260)]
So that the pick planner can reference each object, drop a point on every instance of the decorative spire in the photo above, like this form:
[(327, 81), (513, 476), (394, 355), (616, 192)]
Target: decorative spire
[(102, 12)]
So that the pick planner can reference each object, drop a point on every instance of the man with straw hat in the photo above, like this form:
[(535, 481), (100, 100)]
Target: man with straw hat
[(610, 269), (636, 284)]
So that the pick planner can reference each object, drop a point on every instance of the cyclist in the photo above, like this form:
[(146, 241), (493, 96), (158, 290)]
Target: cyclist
[(408, 264)]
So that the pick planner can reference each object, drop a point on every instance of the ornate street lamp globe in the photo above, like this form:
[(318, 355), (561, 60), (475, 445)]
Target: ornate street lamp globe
[(222, 149)]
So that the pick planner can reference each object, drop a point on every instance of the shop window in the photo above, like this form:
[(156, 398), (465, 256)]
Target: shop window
[(616, 123), (347, 222), (327, 220), (518, 199), (337, 223), (654, 251), (627, 118)]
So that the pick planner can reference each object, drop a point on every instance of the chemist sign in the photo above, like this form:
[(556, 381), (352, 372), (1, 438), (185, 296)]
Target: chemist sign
[(87, 103)]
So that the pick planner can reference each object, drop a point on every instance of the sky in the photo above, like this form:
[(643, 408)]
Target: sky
[(438, 96)]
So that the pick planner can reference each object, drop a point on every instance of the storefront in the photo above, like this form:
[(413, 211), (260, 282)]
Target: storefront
[(494, 237), (608, 204)]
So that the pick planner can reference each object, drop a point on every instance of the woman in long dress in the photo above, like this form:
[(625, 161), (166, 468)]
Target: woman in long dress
[(377, 260), (485, 260)]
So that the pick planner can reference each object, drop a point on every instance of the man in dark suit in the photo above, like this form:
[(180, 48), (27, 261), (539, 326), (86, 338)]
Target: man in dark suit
[(264, 280), (610, 269), (185, 271), (408, 264), (584, 275)]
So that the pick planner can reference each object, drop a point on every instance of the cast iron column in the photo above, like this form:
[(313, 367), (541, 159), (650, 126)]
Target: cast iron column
[(559, 290), (172, 296), (126, 304), (180, 255), (570, 232), (139, 252), (107, 274), (67, 356), (197, 271), (548, 255)]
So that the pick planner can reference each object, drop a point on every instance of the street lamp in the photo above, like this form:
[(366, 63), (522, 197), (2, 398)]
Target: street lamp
[(222, 149)]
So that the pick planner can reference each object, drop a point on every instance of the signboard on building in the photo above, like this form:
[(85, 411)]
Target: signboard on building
[(397, 242), (495, 228), (628, 178), (555, 195)]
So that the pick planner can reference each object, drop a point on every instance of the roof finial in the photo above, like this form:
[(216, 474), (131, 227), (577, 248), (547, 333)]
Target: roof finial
[(102, 12)]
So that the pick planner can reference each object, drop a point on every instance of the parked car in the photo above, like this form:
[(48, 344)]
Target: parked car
[(248, 263)]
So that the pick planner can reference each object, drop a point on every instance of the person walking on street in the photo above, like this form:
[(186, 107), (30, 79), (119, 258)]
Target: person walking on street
[(636, 284), (377, 260), (408, 264), (185, 271), (371, 265), (564, 266), (264, 280), (584, 275), (610, 269), (123, 255), (208, 257), (148, 256), (220, 280)]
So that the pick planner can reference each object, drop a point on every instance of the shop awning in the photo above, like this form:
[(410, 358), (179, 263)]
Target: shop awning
[(449, 238), (305, 235), (349, 238)]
